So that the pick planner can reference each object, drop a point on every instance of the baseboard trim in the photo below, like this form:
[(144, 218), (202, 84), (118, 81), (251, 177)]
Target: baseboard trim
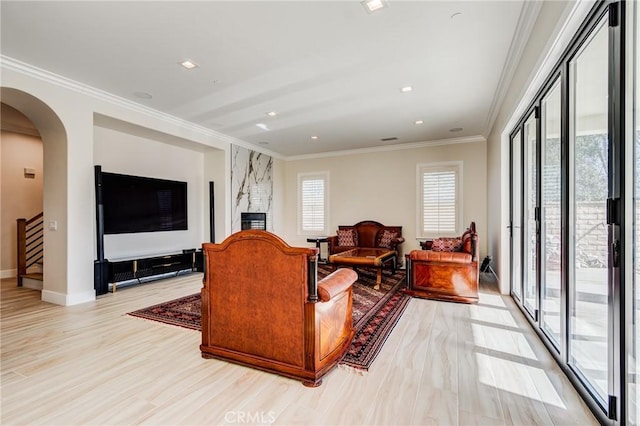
[(68, 299), (8, 273)]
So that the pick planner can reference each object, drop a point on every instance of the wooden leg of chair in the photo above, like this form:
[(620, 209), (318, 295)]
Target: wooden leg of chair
[(378, 279)]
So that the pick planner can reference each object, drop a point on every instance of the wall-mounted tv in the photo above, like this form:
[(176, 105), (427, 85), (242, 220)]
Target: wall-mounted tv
[(141, 204)]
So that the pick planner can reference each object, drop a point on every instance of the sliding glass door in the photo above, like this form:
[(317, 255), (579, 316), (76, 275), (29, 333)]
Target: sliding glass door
[(524, 221), (575, 211), (530, 231), (589, 339), (633, 274), (551, 229), (516, 214)]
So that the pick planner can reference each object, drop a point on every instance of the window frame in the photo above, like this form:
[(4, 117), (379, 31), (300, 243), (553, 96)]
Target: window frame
[(421, 169), (302, 177)]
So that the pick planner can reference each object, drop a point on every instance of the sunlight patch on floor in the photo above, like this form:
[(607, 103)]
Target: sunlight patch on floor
[(518, 378), (487, 314), (492, 299)]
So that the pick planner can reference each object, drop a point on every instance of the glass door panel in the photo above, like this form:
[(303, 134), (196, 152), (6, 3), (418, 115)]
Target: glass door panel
[(588, 192), (634, 350), (516, 215), (530, 231), (550, 214)]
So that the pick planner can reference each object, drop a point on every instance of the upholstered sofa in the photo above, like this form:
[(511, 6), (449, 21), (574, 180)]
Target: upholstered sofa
[(263, 307), (445, 269), (368, 234)]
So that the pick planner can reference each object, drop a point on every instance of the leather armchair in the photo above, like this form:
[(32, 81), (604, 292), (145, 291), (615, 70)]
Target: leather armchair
[(262, 307), (445, 275), (370, 234)]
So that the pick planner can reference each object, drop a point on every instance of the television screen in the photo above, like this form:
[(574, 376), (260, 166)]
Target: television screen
[(139, 204)]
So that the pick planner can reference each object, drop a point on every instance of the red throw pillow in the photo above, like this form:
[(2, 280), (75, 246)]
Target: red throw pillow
[(446, 244), (347, 237), (386, 237)]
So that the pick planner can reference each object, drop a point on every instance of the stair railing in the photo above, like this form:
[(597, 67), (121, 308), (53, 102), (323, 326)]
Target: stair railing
[(30, 244)]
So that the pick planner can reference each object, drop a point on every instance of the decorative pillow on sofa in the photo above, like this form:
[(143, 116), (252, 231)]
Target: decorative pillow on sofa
[(386, 237), (446, 244), (347, 237)]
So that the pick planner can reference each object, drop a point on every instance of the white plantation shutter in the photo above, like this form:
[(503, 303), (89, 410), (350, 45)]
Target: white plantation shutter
[(312, 204), (439, 196)]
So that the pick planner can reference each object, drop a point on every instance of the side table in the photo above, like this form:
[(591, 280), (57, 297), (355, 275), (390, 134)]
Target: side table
[(318, 241)]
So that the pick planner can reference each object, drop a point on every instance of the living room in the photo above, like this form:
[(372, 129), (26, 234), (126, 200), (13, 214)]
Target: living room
[(81, 127)]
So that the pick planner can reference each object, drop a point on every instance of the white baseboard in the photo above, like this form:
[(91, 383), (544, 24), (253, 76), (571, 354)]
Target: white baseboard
[(8, 273), (68, 299)]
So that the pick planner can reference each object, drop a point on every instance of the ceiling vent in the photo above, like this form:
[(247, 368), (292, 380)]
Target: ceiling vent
[(389, 139)]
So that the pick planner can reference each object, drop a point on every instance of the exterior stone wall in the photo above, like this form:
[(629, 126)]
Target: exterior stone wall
[(591, 233)]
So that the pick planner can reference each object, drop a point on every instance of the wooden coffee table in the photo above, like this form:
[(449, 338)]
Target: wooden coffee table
[(370, 257)]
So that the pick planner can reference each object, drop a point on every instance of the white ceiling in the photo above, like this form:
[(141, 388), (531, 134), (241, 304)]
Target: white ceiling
[(328, 68)]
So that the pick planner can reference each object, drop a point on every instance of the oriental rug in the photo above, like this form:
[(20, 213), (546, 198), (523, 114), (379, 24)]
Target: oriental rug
[(375, 313)]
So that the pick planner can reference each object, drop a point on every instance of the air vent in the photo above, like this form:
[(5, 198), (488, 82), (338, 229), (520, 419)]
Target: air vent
[(389, 139)]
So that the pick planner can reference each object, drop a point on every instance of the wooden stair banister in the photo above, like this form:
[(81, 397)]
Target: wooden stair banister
[(30, 244)]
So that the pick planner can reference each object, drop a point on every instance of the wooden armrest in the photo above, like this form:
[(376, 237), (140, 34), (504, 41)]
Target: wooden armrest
[(336, 283), (332, 241)]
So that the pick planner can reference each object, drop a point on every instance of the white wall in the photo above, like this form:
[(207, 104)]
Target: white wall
[(381, 186), (280, 186), (215, 171), (119, 152)]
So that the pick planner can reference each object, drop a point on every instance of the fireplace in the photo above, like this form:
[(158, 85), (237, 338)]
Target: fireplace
[(253, 221)]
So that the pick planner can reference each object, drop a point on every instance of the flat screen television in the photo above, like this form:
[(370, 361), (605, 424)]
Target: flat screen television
[(141, 204)]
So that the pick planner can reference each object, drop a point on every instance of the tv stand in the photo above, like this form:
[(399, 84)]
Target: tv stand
[(145, 267)]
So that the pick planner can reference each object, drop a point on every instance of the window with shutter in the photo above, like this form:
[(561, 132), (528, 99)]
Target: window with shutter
[(312, 205), (439, 199)]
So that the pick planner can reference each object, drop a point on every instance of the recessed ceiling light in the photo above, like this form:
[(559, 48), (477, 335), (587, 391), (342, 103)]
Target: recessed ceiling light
[(314, 138), (142, 95), (419, 122), (456, 15), (406, 89), (262, 126), (456, 129), (188, 64), (372, 5), (272, 113)]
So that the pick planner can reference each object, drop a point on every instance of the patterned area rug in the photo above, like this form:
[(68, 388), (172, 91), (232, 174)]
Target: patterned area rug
[(375, 313)]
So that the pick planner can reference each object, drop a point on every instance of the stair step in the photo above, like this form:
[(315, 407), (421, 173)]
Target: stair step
[(34, 276), (32, 280)]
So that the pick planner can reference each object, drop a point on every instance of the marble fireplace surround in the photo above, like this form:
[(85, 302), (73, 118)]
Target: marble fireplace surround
[(251, 185)]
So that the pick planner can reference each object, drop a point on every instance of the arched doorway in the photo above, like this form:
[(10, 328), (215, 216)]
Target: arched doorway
[(54, 141), (21, 190)]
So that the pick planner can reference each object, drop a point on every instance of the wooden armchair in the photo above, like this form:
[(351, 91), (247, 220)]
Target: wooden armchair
[(263, 308), (446, 269)]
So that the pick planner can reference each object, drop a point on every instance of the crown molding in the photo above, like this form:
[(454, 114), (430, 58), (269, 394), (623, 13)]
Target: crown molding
[(399, 147), (524, 27), (29, 70)]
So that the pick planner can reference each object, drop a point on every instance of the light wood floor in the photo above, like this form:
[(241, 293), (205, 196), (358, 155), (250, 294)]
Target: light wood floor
[(444, 363)]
